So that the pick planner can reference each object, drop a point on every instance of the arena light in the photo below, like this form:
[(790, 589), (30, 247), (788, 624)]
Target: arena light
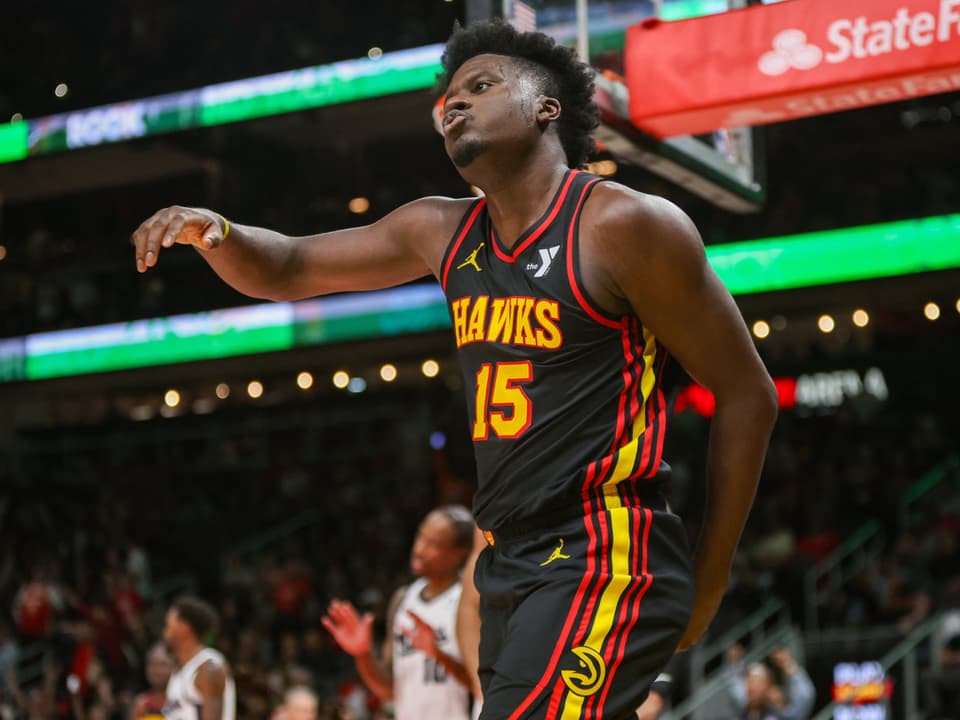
[(171, 398), (255, 389), (341, 379), (3, 252), (860, 318), (375, 53), (931, 311), (826, 323), (304, 380), (761, 329), (356, 385), (222, 391), (358, 205), (61, 90), (388, 373), (958, 305), (430, 368)]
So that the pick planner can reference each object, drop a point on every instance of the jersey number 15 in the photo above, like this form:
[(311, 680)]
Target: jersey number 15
[(501, 404)]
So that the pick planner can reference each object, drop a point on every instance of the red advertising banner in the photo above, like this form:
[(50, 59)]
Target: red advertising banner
[(771, 63)]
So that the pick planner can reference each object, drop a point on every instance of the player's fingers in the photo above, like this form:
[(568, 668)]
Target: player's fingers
[(336, 613), (173, 230), (417, 619), (151, 249), (139, 240)]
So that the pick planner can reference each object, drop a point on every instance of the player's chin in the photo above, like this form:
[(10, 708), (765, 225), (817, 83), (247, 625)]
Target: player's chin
[(416, 566)]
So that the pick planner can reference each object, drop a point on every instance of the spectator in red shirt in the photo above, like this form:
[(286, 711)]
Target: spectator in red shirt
[(291, 589), (148, 705)]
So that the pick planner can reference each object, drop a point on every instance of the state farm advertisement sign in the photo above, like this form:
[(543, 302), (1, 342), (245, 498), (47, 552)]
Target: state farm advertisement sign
[(770, 63)]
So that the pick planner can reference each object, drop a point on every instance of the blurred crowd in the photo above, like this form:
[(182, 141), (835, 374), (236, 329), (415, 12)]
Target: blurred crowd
[(271, 524)]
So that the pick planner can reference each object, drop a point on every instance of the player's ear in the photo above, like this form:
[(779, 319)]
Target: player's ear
[(548, 109)]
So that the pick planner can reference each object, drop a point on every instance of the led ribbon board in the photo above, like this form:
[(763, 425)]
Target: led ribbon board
[(311, 87), (755, 266)]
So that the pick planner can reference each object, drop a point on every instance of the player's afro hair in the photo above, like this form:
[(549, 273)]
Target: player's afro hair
[(557, 68)]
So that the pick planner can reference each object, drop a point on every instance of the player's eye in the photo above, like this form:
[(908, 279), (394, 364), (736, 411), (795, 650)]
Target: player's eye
[(481, 86)]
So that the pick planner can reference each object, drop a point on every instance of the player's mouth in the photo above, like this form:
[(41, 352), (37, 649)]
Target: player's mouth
[(453, 120)]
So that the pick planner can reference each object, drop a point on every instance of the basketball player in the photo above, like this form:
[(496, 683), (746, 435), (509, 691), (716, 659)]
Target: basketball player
[(421, 669), (201, 688), (565, 293)]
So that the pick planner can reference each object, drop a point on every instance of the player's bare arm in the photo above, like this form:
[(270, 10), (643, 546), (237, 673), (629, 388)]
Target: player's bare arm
[(468, 616), (354, 634), (643, 254), (210, 682), (404, 245)]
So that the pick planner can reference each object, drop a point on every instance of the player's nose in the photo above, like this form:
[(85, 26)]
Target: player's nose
[(455, 102)]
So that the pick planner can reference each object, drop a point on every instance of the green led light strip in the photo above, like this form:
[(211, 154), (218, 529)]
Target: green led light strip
[(310, 87), (836, 256), (755, 266)]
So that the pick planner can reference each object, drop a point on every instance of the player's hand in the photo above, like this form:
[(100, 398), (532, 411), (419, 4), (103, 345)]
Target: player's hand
[(352, 632), (421, 635), (186, 226)]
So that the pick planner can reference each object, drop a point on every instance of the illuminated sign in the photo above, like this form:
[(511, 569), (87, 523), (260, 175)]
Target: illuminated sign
[(108, 124), (816, 390), (860, 691), (788, 61), (830, 389)]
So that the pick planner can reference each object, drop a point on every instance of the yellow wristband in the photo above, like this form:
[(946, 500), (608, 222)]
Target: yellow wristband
[(226, 226)]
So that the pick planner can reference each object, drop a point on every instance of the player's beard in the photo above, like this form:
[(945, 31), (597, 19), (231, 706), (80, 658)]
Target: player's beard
[(467, 151)]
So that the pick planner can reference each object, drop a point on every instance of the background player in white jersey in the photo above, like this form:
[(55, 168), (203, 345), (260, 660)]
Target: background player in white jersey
[(420, 667), (202, 687)]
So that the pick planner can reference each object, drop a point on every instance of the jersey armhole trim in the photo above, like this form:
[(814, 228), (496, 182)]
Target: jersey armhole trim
[(469, 217), (590, 307)]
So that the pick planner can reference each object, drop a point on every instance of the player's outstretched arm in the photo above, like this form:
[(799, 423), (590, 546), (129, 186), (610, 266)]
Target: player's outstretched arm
[(354, 633), (647, 252), (404, 245)]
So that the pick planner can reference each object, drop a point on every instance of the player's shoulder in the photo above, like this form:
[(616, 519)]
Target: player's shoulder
[(614, 206), (437, 211), (626, 224)]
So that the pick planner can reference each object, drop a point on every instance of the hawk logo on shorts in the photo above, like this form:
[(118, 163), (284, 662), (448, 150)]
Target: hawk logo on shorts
[(472, 259), (595, 672), (557, 554)]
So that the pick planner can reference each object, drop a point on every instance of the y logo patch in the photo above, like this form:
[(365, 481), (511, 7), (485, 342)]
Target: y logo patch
[(546, 260)]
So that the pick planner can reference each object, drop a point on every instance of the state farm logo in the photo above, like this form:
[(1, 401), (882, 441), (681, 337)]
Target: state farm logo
[(863, 37), (790, 50)]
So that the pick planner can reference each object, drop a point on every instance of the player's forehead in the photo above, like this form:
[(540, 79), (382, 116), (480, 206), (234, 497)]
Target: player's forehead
[(492, 63), (436, 525)]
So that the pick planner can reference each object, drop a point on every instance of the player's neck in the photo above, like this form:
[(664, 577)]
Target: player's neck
[(522, 197), (187, 651), (437, 586)]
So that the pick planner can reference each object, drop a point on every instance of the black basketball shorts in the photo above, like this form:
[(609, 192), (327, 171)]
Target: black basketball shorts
[(579, 618)]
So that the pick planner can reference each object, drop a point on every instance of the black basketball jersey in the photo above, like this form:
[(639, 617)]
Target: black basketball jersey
[(563, 398)]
